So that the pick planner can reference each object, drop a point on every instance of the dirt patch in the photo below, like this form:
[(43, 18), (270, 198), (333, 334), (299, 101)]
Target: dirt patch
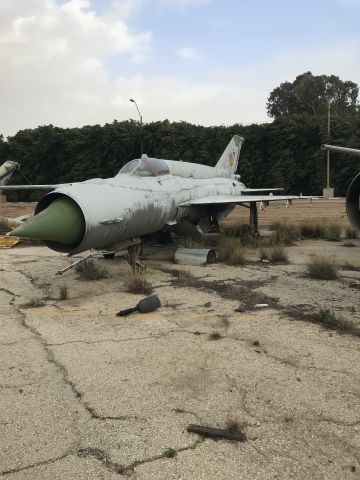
[(230, 289)]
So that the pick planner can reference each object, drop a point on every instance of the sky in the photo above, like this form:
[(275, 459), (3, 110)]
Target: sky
[(209, 62)]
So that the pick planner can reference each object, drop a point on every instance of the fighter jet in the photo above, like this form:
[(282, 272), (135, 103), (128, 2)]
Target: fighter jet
[(6, 170), (148, 195)]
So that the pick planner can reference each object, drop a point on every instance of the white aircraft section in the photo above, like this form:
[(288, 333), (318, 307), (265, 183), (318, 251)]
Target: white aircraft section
[(145, 197), (195, 170), (221, 199)]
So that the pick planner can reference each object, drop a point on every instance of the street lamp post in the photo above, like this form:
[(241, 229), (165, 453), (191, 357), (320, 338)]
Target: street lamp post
[(141, 127)]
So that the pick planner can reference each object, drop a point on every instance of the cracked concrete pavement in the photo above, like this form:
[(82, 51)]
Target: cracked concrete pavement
[(88, 395)]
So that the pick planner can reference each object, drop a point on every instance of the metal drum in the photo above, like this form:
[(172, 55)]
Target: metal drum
[(195, 256)]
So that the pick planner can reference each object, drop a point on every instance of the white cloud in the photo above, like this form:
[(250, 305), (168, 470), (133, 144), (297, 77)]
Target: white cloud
[(183, 4), (351, 3), (52, 57), (188, 53), (218, 23), (54, 61)]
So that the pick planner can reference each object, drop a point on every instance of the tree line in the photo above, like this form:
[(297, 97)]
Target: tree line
[(284, 153)]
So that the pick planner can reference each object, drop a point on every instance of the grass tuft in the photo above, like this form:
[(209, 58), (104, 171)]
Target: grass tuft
[(322, 268), (136, 283), (284, 234), (89, 270), (351, 233), (329, 319), (278, 254), (242, 231), (331, 232), (184, 276), (170, 453), (63, 292), (349, 244), (231, 251), (275, 254), (215, 336), (189, 242), (34, 302)]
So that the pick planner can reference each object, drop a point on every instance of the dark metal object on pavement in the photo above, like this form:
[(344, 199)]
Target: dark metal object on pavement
[(146, 305), (227, 434)]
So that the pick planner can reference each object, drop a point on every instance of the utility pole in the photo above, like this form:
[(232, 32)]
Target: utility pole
[(141, 127), (328, 152), (328, 192)]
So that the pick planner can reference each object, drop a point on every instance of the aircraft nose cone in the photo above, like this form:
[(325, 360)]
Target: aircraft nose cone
[(60, 222)]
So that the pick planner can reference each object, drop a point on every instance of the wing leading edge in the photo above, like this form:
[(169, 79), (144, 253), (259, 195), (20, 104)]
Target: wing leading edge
[(29, 187), (223, 199)]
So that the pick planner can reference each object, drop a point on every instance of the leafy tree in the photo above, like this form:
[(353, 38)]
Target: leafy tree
[(310, 95)]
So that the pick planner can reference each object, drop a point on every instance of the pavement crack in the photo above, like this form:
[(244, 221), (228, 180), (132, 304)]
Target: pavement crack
[(106, 340), (14, 387), (37, 464), (111, 465), (62, 370), (132, 339), (340, 423), (129, 469), (15, 342), (9, 292)]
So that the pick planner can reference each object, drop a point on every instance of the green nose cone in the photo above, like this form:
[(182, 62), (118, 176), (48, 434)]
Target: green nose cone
[(60, 222)]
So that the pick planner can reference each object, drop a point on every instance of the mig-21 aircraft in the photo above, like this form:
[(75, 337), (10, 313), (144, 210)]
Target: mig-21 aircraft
[(148, 195)]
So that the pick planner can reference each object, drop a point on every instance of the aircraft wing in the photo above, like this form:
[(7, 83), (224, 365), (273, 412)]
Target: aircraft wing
[(30, 187), (223, 199), (260, 189)]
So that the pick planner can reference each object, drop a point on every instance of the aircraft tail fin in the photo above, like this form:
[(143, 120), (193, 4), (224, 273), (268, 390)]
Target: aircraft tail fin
[(6, 170), (230, 158)]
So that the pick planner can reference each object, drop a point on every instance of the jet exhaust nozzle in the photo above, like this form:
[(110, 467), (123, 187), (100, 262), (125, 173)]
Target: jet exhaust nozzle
[(58, 222), (353, 202)]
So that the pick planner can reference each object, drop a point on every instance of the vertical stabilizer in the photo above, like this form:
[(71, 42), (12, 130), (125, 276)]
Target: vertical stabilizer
[(6, 170), (229, 159)]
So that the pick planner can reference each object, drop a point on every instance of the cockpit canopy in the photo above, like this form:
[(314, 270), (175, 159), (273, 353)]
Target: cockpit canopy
[(146, 167)]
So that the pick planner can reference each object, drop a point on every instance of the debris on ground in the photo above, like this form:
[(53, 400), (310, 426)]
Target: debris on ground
[(195, 256), (8, 242), (224, 433), (146, 305)]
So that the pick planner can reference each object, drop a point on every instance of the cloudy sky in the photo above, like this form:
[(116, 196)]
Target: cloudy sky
[(210, 62)]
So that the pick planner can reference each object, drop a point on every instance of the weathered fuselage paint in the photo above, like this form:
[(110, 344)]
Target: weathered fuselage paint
[(125, 206)]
